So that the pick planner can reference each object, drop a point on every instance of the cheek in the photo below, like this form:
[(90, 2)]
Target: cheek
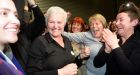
[(3, 22), (49, 25), (90, 26), (62, 26), (73, 26), (80, 27), (101, 27)]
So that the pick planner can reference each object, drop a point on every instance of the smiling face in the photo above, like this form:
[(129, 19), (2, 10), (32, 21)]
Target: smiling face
[(96, 28), (56, 18), (76, 27), (9, 23), (97, 23), (56, 23), (124, 24)]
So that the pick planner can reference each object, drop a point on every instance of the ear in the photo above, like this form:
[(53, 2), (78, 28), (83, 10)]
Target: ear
[(135, 22)]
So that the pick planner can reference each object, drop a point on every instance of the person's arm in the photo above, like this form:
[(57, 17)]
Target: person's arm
[(128, 65), (77, 37), (37, 26), (35, 61), (100, 58)]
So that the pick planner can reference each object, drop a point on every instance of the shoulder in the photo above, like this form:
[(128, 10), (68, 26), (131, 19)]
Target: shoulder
[(66, 38)]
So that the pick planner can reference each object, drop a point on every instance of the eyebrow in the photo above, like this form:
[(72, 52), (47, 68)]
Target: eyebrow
[(6, 9)]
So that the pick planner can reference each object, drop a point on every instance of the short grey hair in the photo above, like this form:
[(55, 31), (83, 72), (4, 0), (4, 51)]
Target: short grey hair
[(55, 10)]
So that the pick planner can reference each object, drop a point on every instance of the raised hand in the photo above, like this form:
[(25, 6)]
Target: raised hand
[(110, 39), (31, 2)]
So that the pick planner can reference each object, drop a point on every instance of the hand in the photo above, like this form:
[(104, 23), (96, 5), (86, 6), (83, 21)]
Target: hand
[(110, 39), (70, 69), (85, 52), (31, 2)]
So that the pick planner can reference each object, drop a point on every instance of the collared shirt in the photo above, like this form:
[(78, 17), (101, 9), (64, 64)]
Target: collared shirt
[(48, 58)]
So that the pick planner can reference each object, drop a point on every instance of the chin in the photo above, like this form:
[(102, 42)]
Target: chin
[(13, 40), (56, 34), (97, 36)]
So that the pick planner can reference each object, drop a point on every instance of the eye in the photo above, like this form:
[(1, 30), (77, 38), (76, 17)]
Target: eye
[(121, 19), (51, 21), (59, 22), (16, 14), (3, 13), (97, 24)]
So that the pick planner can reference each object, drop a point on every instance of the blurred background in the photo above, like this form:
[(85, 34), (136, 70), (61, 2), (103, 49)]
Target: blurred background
[(83, 8)]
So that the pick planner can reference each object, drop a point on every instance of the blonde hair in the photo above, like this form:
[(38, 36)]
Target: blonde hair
[(100, 18), (55, 10)]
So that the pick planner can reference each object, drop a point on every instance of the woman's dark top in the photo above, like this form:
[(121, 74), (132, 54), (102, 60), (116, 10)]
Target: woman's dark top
[(47, 59), (124, 60)]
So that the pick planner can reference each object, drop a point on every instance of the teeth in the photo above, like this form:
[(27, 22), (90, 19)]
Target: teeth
[(96, 30), (55, 30), (12, 30)]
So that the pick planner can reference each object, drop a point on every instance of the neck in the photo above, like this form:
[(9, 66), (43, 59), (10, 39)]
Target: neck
[(124, 38), (59, 40), (2, 47)]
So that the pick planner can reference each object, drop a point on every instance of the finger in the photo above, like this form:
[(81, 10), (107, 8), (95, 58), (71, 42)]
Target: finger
[(107, 32)]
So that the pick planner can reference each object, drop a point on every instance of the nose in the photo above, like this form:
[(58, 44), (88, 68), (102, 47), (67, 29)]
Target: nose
[(14, 19), (117, 23), (55, 25), (94, 25)]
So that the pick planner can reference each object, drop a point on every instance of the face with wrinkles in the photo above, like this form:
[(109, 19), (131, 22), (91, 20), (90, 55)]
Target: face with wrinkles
[(124, 24), (56, 23), (9, 23), (96, 28)]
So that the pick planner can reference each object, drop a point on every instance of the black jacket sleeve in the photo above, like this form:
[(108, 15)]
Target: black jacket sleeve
[(37, 26), (100, 59)]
